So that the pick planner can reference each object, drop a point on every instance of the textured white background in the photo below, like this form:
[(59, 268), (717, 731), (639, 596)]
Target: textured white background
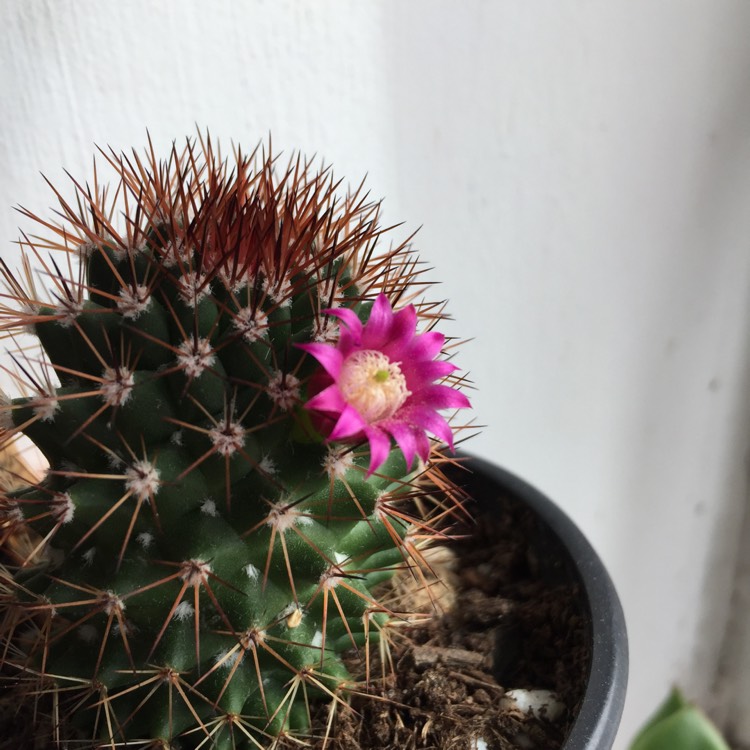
[(582, 174)]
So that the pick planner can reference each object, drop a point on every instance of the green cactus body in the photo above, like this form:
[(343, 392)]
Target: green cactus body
[(200, 556)]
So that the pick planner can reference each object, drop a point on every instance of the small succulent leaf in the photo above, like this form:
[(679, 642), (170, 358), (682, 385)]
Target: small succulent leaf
[(679, 724)]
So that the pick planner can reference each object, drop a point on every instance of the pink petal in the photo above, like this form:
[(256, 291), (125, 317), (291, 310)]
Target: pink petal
[(378, 324), (393, 334), (438, 368), (426, 345), (350, 334), (329, 400), (349, 423), (420, 374), (328, 356), (444, 397), (402, 330), (423, 445), (380, 447), (348, 317), (428, 419), (406, 437)]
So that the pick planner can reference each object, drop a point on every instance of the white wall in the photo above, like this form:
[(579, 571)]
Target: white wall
[(582, 174)]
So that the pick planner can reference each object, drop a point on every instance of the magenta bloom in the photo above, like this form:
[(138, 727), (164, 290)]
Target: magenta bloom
[(380, 383)]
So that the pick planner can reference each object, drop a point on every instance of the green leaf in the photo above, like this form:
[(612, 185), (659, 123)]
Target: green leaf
[(679, 725)]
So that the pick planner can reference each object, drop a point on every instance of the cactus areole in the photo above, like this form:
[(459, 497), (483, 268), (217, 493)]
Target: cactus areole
[(242, 397)]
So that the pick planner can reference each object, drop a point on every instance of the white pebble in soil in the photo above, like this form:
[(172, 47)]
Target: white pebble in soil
[(539, 704)]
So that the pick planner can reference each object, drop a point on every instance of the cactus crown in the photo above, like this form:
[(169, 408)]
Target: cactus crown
[(217, 389)]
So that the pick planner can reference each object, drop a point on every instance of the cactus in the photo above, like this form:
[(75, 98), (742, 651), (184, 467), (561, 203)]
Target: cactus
[(235, 422)]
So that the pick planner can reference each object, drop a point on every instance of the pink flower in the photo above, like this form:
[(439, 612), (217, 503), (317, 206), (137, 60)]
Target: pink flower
[(379, 383)]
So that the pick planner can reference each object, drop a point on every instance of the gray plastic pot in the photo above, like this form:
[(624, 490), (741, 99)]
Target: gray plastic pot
[(601, 708)]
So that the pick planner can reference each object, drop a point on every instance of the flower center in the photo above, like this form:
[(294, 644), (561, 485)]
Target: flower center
[(373, 385)]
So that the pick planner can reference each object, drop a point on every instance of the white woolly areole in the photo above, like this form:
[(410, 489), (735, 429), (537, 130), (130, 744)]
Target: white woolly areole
[(68, 310), (227, 437), (142, 479), (283, 516), (328, 290), (62, 508), (118, 250), (252, 572), (208, 507), (10, 510), (227, 659), (137, 248), (373, 385), (117, 385), (175, 251), (113, 460), (279, 292), (183, 611), (252, 323), (193, 287), (194, 572), (145, 539), (111, 603), (283, 389), (195, 356), (331, 578), (86, 249), (45, 407), (268, 466), (381, 507), (132, 303), (251, 638), (234, 283), (337, 461), (28, 309), (176, 437), (88, 556), (326, 331)]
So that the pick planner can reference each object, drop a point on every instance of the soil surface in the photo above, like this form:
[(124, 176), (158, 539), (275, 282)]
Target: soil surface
[(518, 622)]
